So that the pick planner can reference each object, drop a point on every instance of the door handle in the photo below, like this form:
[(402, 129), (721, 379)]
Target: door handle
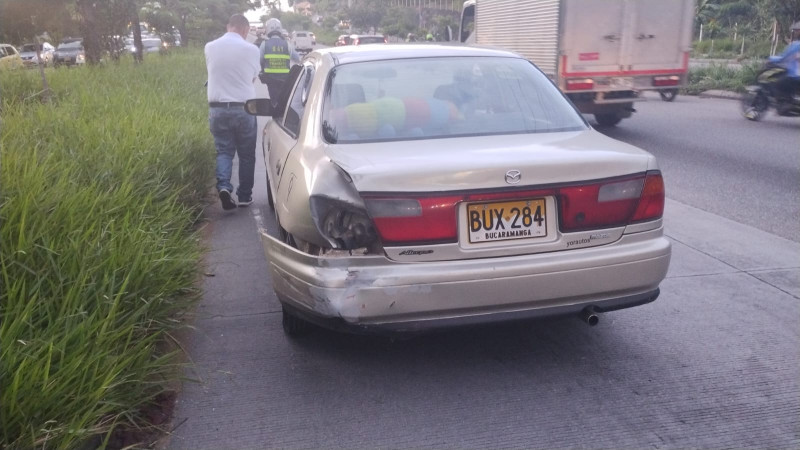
[(611, 37), (643, 36)]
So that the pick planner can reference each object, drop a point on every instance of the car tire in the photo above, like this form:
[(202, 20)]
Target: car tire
[(294, 326), (668, 95), (607, 119)]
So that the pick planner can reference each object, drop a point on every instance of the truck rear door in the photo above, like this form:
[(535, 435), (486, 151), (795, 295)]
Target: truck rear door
[(592, 37), (658, 35)]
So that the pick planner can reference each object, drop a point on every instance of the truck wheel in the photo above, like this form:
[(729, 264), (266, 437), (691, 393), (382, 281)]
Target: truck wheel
[(668, 95), (607, 119), (294, 326)]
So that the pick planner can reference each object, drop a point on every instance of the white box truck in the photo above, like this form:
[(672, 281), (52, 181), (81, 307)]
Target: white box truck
[(601, 53)]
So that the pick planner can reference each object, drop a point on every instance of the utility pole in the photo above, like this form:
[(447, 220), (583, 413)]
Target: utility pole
[(40, 63)]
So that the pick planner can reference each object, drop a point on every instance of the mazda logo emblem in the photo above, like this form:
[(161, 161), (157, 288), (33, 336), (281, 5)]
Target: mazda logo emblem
[(513, 176)]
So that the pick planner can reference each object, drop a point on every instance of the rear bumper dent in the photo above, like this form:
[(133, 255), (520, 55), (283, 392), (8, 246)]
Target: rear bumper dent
[(373, 293)]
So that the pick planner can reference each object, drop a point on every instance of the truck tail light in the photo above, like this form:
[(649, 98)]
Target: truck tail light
[(582, 84), (673, 80)]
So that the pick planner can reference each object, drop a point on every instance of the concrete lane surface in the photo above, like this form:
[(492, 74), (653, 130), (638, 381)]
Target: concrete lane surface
[(714, 362), (716, 160)]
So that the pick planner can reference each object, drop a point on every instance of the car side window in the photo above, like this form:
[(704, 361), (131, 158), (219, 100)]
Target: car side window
[(2, 51), (286, 90), (297, 103)]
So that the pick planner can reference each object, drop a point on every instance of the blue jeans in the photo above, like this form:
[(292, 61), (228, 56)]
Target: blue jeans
[(234, 133)]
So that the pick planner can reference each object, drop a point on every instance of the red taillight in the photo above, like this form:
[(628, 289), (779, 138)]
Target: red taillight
[(673, 80), (651, 204), (580, 84), (434, 219), (611, 203)]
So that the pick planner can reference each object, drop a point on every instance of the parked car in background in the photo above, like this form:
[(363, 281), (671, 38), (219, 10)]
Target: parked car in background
[(28, 54), (302, 41), (69, 52), (150, 44), (363, 39), (9, 57), (343, 39), (421, 186)]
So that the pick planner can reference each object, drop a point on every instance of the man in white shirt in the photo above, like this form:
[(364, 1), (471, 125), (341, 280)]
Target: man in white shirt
[(233, 65)]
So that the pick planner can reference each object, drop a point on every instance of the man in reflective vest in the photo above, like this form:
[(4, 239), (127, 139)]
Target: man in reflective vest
[(275, 55)]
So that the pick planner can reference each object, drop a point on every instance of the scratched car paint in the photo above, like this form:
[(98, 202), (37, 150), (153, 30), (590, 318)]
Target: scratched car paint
[(419, 187)]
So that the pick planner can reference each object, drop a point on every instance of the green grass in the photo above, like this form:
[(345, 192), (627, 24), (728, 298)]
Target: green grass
[(721, 77), (100, 192)]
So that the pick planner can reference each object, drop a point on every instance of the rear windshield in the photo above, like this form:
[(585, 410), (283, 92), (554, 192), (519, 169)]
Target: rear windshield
[(300, 35), (430, 98), (31, 47), (370, 40), (72, 44)]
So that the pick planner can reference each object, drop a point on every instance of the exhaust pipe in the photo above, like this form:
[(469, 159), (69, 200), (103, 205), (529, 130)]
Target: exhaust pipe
[(589, 316)]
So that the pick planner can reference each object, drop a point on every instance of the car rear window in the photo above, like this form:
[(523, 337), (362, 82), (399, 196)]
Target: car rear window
[(300, 35), (71, 44), (430, 98), (370, 40)]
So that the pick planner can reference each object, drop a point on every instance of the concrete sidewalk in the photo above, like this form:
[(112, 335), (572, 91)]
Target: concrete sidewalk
[(726, 320)]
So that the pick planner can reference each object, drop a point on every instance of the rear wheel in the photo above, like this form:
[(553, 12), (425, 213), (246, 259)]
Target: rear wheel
[(294, 326), (754, 104), (607, 119), (668, 95)]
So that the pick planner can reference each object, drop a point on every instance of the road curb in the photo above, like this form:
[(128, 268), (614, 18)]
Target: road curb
[(716, 93)]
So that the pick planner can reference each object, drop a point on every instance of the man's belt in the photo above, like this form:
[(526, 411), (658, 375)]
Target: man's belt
[(224, 104)]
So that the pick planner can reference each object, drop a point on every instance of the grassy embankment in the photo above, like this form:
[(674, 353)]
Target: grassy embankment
[(722, 77), (100, 192)]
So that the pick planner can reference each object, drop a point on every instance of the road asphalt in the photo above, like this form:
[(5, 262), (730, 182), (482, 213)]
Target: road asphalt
[(714, 362)]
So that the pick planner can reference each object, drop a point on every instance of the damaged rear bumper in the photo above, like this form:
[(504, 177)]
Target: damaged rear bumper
[(376, 294)]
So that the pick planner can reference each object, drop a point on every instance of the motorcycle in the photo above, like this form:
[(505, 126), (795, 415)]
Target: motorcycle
[(766, 93)]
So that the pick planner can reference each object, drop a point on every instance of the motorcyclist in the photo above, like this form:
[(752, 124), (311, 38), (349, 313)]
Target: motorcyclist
[(790, 60), (275, 59)]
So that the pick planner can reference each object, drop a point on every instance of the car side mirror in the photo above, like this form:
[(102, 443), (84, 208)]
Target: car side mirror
[(259, 107)]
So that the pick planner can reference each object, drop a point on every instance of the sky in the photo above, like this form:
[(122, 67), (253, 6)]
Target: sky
[(255, 14)]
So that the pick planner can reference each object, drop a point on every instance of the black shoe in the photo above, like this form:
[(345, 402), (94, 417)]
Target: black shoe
[(227, 201), (245, 201)]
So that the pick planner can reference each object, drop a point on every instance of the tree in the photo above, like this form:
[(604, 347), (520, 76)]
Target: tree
[(15, 20), (399, 21), (366, 14)]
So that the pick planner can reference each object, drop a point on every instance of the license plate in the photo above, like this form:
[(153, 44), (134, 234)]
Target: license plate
[(621, 83), (503, 221)]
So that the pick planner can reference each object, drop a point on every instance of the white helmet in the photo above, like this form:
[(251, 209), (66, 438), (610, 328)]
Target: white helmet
[(273, 26)]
